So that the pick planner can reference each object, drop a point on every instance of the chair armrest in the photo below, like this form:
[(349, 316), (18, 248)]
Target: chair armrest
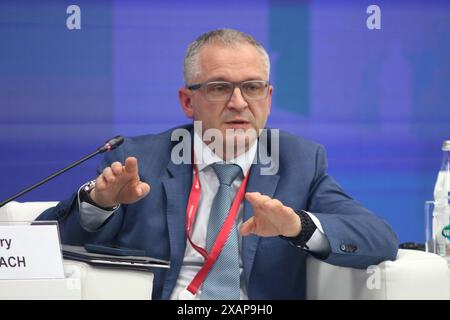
[(413, 275), (24, 211), (100, 283)]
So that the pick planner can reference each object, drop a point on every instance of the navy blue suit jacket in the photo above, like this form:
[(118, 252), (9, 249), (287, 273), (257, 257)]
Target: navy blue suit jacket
[(273, 267)]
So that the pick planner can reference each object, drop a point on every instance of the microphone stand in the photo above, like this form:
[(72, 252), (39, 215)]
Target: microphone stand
[(112, 144)]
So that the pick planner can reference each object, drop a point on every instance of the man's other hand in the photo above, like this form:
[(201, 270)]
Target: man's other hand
[(270, 218)]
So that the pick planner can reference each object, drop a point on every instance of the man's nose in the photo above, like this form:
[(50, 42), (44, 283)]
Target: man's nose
[(237, 100)]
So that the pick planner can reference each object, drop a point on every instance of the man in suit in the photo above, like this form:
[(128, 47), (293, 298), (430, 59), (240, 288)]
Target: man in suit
[(258, 249)]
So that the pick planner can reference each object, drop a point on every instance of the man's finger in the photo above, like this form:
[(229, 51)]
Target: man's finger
[(108, 175), (145, 187), (105, 182), (131, 166), (251, 196), (248, 227), (100, 184), (256, 198), (138, 191), (117, 168), (141, 189)]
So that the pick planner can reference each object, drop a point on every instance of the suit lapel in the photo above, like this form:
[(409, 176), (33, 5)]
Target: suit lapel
[(266, 185), (177, 189)]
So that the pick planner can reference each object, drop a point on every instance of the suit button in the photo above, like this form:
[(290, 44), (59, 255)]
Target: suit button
[(343, 247)]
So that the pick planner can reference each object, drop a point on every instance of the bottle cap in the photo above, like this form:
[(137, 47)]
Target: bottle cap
[(446, 145)]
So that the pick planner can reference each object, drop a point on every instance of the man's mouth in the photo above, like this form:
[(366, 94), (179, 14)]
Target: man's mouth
[(237, 122)]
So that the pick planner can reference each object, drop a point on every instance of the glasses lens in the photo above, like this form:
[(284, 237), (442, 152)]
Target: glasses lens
[(219, 91), (255, 89)]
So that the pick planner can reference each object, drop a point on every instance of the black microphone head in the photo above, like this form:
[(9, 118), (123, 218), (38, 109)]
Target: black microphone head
[(111, 144)]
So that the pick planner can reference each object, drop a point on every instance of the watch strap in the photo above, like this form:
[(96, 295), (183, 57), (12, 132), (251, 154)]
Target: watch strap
[(308, 229)]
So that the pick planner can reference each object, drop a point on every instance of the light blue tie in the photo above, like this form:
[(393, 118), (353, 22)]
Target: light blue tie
[(223, 280)]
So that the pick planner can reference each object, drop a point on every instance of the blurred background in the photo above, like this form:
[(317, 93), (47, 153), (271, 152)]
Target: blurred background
[(378, 100)]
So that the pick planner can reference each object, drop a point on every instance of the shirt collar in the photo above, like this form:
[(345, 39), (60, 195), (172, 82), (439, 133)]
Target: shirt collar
[(205, 156)]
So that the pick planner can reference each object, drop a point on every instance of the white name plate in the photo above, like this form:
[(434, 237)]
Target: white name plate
[(30, 251)]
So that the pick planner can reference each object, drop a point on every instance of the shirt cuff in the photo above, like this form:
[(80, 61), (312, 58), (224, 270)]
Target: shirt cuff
[(316, 221), (318, 243), (92, 217)]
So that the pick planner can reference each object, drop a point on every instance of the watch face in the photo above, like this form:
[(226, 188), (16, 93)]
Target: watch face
[(91, 185)]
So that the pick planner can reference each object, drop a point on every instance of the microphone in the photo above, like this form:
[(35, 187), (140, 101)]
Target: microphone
[(111, 144), (107, 146)]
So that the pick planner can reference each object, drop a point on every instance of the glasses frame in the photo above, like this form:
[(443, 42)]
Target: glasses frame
[(202, 86)]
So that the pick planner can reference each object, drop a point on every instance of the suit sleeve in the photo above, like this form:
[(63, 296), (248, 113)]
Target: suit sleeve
[(358, 238)]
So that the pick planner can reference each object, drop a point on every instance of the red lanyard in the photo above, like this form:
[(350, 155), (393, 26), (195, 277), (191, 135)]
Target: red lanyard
[(191, 211)]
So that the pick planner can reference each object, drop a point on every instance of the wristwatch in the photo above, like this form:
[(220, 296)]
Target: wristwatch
[(88, 187), (84, 196), (308, 228)]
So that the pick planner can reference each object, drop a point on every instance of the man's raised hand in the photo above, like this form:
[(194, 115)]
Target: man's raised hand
[(119, 184)]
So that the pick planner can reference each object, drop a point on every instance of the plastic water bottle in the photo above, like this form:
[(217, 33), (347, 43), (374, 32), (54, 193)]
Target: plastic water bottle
[(441, 212)]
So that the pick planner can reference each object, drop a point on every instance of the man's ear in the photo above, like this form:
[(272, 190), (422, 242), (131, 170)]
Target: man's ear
[(185, 96), (270, 97)]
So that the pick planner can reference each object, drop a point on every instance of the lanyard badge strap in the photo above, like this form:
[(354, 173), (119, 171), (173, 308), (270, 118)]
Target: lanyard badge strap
[(191, 211)]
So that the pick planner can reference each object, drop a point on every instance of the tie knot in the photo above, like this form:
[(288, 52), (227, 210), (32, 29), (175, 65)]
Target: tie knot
[(226, 172)]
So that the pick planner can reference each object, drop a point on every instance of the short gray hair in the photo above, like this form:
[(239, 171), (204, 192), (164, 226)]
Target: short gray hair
[(227, 37)]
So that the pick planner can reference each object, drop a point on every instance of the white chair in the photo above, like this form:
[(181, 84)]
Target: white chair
[(83, 281), (413, 275)]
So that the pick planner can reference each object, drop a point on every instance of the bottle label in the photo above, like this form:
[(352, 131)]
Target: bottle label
[(446, 232)]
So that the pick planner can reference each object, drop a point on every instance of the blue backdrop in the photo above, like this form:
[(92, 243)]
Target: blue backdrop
[(378, 100)]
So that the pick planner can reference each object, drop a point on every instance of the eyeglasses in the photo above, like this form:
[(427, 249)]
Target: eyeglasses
[(223, 90)]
